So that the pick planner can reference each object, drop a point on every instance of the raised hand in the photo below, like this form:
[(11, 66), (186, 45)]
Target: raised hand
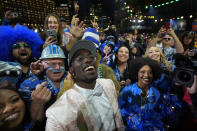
[(37, 67), (77, 30), (171, 32), (41, 95), (94, 23), (74, 20), (161, 31), (48, 41)]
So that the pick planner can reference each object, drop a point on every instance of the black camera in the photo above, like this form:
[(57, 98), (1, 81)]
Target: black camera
[(185, 70)]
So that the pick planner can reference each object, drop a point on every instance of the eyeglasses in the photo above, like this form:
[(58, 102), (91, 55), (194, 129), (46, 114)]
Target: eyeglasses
[(167, 38), (19, 45)]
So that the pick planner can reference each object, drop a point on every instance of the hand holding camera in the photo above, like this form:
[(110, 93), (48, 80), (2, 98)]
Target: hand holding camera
[(165, 29), (193, 88), (161, 32)]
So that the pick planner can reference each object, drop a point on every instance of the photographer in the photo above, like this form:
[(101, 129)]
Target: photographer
[(187, 39), (184, 77)]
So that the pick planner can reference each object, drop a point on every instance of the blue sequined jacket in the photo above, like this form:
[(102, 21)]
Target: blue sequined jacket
[(138, 113)]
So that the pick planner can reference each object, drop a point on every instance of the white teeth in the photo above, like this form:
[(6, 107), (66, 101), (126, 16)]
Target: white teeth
[(146, 79), (7, 72), (89, 67), (12, 116)]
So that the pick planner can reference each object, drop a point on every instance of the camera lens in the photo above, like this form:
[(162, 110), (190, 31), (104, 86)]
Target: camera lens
[(184, 76)]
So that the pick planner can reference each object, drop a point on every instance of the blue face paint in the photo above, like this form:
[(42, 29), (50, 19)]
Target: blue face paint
[(62, 69)]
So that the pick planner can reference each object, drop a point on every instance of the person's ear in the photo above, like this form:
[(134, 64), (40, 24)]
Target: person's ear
[(71, 71)]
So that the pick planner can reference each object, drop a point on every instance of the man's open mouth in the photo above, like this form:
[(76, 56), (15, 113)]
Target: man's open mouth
[(23, 54), (89, 68)]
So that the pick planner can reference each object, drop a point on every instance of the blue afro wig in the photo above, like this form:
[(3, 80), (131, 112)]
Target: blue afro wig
[(10, 36)]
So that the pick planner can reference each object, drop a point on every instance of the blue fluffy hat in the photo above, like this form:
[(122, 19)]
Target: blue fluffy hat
[(10, 36)]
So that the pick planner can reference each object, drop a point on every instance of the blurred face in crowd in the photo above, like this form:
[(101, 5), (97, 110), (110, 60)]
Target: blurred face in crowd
[(21, 52), (134, 50), (168, 40), (187, 40), (112, 39), (53, 23), (55, 69), (154, 53), (12, 109), (102, 37), (83, 67), (145, 76), (107, 49), (63, 24), (148, 40), (129, 37), (8, 79), (135, 32), (8, 14), (123, 54)]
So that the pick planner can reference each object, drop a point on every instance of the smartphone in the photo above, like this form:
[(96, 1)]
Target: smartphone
[(167, 25), (52, 33)]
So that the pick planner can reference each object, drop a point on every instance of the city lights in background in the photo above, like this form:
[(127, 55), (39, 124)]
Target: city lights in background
[(135, 17), (163, 4), (128, 9), (36, 30)]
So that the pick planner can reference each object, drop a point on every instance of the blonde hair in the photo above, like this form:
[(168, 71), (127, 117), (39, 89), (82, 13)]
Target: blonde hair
[(162, 58)]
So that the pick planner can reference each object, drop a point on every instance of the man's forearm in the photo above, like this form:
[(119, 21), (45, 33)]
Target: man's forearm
[(154, 41), (71, 43), (178, 45)]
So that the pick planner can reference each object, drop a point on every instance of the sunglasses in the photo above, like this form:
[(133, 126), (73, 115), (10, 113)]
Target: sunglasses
[(19, 45), (167, 38)]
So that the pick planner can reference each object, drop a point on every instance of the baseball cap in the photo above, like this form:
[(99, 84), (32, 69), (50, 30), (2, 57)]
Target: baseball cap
[(82, 44)]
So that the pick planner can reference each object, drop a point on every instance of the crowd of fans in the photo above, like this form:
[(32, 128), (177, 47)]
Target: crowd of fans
[(72, 77)]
